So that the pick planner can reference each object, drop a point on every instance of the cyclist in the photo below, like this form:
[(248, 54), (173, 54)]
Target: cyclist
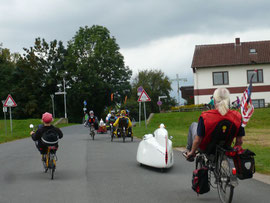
[(200, 134), (92, 119), (123, 120), (47, 134)]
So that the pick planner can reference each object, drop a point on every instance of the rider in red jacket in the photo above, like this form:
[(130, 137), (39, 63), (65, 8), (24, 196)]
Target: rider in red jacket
[(208, 120)]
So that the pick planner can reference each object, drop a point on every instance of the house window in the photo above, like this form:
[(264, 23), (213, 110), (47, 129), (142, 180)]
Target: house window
[(258, 103), (252, 51), (220, 78), (258, 77)]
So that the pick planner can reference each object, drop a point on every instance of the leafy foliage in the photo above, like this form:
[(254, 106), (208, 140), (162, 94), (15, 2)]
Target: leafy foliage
[(95, 69)]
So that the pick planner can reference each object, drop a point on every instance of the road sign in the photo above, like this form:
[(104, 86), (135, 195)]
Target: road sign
[(5, 109), (159, 103), (144, 97), (57, 93), (84, 103), (10, 102), (139, 90)]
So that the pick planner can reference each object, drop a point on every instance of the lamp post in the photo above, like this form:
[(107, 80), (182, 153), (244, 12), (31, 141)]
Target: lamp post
[(64, 93), (52, 96)]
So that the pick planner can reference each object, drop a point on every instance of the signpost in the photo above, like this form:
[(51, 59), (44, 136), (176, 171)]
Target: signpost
[(144, 98), (159, 103), (139, 91), (5, 111), (10, 103)]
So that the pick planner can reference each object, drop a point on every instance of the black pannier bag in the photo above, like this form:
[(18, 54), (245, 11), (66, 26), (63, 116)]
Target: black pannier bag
[(200, 183), (245, 164), (50, 137)]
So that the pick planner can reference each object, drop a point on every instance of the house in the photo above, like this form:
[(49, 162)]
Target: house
[(231, 66)]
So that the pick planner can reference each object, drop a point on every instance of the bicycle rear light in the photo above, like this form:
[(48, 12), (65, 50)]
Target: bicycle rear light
[(234, 171)]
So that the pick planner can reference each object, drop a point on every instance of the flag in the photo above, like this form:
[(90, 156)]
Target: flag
[(247, 107), (125, 100)]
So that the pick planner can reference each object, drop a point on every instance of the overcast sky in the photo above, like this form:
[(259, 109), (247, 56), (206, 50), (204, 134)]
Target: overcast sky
[(152, 34)]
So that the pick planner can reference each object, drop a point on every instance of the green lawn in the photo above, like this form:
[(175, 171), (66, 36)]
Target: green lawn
[(257, 136), (20, 129)]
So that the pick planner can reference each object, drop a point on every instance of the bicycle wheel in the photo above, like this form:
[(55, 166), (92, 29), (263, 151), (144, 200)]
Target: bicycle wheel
[(93, 135), (111, 136), (52, 166), (124, 135), (44, 160), (225, 189)]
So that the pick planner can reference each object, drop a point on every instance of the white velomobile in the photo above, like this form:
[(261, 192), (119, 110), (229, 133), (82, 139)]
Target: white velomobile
[(156, 150)]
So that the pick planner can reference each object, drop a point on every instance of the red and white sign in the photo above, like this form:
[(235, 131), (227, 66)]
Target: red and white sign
[(144, 97), (10, 102)]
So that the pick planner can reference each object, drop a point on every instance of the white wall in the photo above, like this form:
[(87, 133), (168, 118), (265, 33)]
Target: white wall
[(237, 78)]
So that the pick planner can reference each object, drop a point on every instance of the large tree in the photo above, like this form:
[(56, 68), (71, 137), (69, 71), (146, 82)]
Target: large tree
[(38, 73), (95, 69)]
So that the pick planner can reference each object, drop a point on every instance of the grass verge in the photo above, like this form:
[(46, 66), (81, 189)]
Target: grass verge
[(257, 137), (20, 129)]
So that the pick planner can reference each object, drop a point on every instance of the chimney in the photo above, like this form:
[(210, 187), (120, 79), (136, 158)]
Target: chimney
[(237, 42)]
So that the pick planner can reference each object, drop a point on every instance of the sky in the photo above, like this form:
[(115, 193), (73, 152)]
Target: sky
[(151, 34)]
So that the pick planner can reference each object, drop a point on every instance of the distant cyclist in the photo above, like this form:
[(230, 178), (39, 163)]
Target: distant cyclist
[(123, 121), (47, 134), (92, 119)]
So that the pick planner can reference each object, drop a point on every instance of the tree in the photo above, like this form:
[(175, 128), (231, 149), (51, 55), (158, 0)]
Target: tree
[(38, 73), (7, 67), (95, 69), (155, 84)]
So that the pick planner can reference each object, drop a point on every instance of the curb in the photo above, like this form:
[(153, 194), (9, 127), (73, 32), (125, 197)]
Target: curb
[(257, 176)]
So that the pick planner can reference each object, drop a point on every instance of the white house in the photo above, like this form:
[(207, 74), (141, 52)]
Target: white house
[(231, 65)]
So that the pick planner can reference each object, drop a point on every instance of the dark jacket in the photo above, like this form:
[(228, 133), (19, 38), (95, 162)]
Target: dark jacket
[(41, 131)]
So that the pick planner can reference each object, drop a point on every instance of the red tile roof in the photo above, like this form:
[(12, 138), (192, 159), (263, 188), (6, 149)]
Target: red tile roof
[(231, 54)]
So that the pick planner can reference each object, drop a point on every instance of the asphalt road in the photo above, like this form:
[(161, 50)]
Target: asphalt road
[(102, 171)]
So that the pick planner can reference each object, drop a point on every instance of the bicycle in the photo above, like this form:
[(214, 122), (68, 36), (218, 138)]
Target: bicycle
[(221, 165), (92, 131), (49, 160)]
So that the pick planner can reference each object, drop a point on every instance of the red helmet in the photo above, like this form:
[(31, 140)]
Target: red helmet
[(47, 117)]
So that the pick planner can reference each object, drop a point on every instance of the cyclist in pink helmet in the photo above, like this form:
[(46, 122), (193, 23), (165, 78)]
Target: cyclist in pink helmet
[(47, 134)]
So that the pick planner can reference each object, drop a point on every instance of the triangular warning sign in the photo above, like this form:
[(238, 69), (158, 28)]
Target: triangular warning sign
[(144, 97), (10, 102)]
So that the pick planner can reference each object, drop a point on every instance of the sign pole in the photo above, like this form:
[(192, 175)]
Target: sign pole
[(140, 104), (10, 116), (5, 122), (145, 114), (5, 117)]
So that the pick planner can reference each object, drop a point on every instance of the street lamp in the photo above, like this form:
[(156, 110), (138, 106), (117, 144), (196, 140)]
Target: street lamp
[(52, 96), (64, 93)]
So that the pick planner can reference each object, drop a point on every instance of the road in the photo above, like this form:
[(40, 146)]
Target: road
[(102, 171)]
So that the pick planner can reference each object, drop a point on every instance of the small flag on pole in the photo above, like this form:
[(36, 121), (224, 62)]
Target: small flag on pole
[(247, 107), (111, 96), (125, 100)]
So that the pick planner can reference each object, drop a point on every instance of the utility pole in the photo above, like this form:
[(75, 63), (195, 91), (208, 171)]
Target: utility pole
[(177, 79), (52, 96)]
